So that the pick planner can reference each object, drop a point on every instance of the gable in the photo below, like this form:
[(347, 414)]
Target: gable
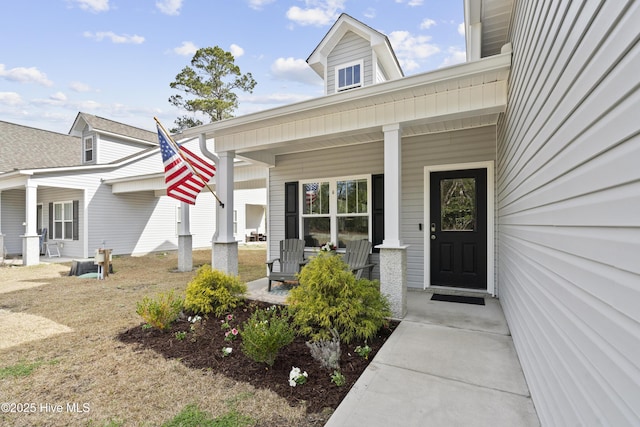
[(347, 29), (351, 49)]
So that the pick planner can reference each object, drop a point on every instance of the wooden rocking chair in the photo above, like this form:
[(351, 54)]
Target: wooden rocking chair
[(356, 255), (291, 261)]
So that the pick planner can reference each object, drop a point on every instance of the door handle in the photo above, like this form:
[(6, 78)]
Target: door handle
[(433, 237)]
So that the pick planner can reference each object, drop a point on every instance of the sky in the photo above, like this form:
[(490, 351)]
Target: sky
[(117, 58)]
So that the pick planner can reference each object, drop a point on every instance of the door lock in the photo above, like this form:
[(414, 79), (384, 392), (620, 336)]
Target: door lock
[(433, 227)]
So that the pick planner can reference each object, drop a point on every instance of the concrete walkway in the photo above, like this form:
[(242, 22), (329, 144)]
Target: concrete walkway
[(447, 364)]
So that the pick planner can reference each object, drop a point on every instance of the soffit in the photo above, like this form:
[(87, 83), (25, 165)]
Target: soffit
[(496, 20)]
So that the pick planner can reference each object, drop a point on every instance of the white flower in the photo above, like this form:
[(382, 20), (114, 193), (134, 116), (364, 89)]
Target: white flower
[(297, 377)]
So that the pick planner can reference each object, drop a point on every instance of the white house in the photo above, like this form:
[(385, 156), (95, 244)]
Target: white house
[(103, 186), (514, 174)]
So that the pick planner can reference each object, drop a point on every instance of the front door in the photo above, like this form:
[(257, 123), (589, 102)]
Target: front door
[(458, 228)]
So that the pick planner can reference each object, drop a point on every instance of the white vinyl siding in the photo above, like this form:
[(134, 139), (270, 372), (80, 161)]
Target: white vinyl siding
[(568, 201), (417, 152), (109, 148), (350, 49), (12, 214)]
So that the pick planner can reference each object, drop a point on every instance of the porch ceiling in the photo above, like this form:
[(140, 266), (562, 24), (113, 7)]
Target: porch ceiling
[(468, 95)]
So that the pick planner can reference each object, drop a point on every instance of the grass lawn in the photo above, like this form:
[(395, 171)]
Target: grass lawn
[(86, 377)]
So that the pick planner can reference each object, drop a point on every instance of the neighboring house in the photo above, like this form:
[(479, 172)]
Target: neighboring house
[(103, 184), (514, 174)]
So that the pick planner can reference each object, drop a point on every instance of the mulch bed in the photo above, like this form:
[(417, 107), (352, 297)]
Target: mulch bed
[(205, 352)]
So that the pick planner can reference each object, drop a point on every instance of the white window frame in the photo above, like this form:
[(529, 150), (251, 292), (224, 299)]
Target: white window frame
[(351, 86), (333, 204), (92, 150), (60, 222)]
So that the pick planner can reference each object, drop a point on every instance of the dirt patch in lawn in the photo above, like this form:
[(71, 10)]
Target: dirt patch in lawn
[(203, 350), (19, 328)]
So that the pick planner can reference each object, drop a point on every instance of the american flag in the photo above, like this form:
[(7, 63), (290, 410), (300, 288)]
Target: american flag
[(311, 191), (183, 183)]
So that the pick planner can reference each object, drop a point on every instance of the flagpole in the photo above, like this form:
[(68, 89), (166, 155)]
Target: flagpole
[(177, 148)]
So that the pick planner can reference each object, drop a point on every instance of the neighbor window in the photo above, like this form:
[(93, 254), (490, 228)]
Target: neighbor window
[(88, 149), (335, 210), (63, 220), (348, 76)]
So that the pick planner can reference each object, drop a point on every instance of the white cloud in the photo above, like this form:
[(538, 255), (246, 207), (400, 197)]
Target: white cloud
[(292, 69), (370, 13), (186, 49), (58, 96), (115, 38), (169, 7), (10, 98), (236, 50), (25, 75), (258, 4), (456, 56), (412, 3), (427, 23), (316, 12), (79, 87), (461, 29), (94, 6), (411, 49)]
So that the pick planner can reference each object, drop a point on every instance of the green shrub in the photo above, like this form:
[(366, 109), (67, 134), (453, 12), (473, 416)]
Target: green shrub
[(214, 291), (329, 297), (265, 333), (160, 313)]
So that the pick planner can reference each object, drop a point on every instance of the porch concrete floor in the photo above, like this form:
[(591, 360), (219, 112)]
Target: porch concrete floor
[(447, 364)]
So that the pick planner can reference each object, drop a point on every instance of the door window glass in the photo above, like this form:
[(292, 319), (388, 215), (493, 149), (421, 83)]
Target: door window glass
[(458, 204)]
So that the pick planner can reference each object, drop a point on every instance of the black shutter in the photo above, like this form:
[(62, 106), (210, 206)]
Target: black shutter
[(76, 206), (291, 224), (377, 220), (50, 222)]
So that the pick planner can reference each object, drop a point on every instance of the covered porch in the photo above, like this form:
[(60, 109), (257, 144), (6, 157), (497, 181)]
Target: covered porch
[(460, 98)]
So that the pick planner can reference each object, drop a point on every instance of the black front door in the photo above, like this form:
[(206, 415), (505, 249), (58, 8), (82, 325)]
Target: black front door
[(458, 228)]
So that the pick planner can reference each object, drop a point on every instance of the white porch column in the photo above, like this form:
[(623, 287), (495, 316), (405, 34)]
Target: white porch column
[(185, 242), (224, 251), (393, 253), (30, 239)]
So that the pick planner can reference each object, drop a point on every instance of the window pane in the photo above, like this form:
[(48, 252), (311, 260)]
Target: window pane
[(57, 211), (341, 77), (57, 230), (68, 211), (458, 204), (349, 81), (68, 230), (317, 231), (356, 74), (352, 228), (352, 196), (316, 198)]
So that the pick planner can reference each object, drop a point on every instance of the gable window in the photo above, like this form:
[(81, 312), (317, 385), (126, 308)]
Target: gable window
[(88, 149), (63, 220), (335, 210), (348, 76)]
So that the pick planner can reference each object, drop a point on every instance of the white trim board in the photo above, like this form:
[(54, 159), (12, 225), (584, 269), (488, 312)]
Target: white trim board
[(489, 166)]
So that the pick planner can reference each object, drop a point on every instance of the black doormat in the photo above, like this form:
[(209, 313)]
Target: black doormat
[(458, 298)]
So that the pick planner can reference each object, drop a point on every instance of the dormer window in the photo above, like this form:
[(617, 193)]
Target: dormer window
[(349, 76), (88, 150)]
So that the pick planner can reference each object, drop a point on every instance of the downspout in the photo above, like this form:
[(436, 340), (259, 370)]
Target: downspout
[(216, 161)]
